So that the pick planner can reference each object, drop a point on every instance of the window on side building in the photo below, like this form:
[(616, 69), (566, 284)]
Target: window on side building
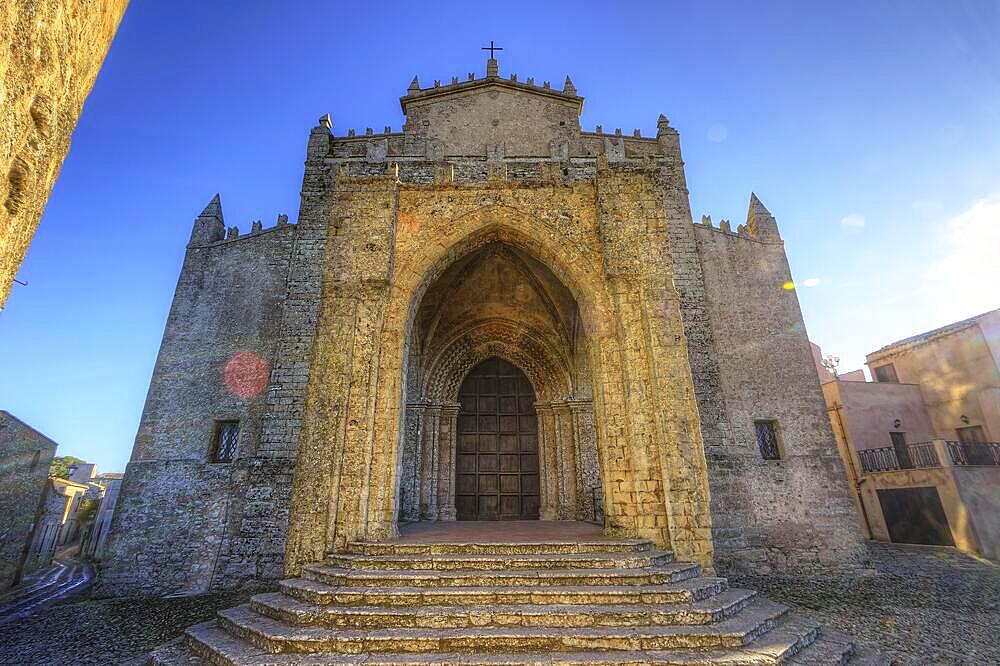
[(886, 373), (227, 436), (767, 438)]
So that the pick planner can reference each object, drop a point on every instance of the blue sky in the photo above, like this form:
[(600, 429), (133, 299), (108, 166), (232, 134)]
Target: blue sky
[(870, 130)]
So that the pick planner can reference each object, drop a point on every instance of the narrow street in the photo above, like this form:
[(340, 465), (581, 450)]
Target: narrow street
[(64, 577)]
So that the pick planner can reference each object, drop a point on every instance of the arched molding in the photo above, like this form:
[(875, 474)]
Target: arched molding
[(568, 251), (518, 263), (547, 368), (569, 262)]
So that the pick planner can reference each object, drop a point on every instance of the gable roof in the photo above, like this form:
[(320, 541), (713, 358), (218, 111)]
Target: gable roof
[(492, 80)]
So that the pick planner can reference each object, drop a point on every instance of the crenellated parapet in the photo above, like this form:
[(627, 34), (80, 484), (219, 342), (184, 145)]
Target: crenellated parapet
[(210, 226), (760, 225), (490, 119)]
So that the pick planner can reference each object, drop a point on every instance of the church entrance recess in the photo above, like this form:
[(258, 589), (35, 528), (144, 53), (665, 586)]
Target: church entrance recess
[(497, 457)]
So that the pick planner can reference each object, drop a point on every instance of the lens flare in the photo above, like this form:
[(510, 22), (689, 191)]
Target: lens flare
[(246, 374), (788, 286)]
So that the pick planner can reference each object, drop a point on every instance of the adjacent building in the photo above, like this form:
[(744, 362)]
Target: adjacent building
[(97, 535), (920, 443), (25, 455), (58, 522)]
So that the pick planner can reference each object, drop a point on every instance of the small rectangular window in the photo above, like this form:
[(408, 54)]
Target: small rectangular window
[(36, 456), (227, 436), (767, 439), (886, 373)]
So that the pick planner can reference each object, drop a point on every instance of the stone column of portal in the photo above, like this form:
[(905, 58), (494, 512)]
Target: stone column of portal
[(547, 473), (413, 458), (429, 468), (447, 445), (565, 460), (589, 487)]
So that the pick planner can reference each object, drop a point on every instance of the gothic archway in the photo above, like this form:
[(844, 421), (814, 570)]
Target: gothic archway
[(498, 305)]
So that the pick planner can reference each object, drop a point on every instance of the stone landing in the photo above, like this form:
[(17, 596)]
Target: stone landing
[(516, 593)]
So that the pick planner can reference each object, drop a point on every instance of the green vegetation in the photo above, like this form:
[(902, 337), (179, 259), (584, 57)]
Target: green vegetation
[(88, 509), (59, 469)]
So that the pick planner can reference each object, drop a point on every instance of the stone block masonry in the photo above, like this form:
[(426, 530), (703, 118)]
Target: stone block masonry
[(50, 53), (646, 347), (25, 456)]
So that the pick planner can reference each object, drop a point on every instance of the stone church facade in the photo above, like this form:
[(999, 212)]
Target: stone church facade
[(492, 314)]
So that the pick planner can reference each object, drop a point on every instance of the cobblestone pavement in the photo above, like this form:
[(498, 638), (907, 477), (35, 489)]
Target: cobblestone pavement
[(46, 588), (105, 631), (915, 605)]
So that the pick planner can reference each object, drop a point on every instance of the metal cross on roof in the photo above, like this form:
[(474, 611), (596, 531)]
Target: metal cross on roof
[(491, 49)]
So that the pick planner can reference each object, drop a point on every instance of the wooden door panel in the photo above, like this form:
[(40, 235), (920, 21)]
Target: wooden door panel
[(497, 458)]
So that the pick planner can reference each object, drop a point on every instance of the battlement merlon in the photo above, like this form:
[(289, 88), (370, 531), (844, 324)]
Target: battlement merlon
[(760, 225), (492, 118), (416, 94), (210, 226)]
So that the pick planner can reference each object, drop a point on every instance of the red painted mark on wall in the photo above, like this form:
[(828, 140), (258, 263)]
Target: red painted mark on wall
[(246, 374)]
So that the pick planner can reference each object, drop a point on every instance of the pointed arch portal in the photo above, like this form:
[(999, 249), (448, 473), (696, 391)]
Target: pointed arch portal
[(579, 302), (498, 417)]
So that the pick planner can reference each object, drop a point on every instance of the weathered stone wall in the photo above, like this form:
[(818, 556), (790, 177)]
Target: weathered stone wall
[(50, 53), (604, 240), (179, 514), (25, 456), (769, 513), (651, 343)]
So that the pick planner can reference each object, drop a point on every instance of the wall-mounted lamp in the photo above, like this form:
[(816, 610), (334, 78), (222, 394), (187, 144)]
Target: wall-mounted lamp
[(963, 418), (897, 423)]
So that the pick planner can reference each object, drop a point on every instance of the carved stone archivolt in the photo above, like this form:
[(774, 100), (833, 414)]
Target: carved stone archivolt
[(546, 366), (499, 303)]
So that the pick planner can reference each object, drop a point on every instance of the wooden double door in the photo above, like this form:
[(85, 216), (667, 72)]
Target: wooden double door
[(496, 472)]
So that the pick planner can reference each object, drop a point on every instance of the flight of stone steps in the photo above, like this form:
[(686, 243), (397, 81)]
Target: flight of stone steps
[(600, 602)]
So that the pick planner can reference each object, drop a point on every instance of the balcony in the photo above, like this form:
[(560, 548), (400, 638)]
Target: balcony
[(974, 453), (926, 455)]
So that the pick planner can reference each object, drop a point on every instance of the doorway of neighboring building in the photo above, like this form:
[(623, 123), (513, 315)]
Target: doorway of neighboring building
[(902, 451), (915, 515)]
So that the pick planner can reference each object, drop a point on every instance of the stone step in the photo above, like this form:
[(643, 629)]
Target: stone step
[(692, 589), (208, 643), (668, 573), (280, 607), (276, 636), (832, 648), (824, 653), (501, 548), (497, 562), (213, 645)]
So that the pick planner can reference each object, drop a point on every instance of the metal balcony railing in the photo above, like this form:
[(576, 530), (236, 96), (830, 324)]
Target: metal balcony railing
[(921, 455), (924, 455), (882, 459), (974, 453)]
